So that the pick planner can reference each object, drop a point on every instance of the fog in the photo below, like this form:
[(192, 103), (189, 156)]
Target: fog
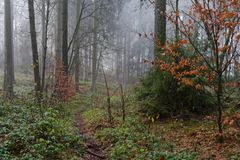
[(133, 19), (117, 79)]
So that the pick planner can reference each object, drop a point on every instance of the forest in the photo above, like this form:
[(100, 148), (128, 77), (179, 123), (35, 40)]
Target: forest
[(119, 80)]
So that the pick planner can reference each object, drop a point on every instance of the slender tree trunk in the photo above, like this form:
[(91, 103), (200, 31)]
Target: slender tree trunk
[(118, 65), (125, 61), (86, 60), (90, 58), (77, 70), (177, 21), (77, 47), (13, 44), (160, 25), (110, 118), (43, 23), (8, 68), (236, 69), (94, 53), (58, 47), (123, 103), (45, 39), (119, 57), (219, 93), (65, 36), (37, 79), (128, 57), (219, 103), (139, 52)]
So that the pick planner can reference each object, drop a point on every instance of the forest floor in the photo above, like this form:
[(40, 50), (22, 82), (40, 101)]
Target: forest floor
[(195, 136), (93, 147), (199, 135), (136, 138)]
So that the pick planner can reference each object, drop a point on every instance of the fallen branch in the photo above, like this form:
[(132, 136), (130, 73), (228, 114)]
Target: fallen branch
[(95, 154)]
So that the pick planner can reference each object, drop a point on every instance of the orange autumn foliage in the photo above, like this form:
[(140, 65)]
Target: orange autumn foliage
[(219, 20), (185, 70), (215, 24), (64, 84)]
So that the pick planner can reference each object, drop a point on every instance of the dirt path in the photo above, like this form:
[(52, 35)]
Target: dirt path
[(93, 148)]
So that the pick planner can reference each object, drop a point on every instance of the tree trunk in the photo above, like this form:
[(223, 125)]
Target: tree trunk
[(8, 64), (160, 25), (109, 110), (90, 52), (13, 45), (94, 53), (86, 60), (45, 23), (219, 104), (65, 36), (119, 57), (77, 47), (177, 21), (58, 45), (125, 61), (37, 79), (138, 52), (128, 57), (123, 103), (118, 65)]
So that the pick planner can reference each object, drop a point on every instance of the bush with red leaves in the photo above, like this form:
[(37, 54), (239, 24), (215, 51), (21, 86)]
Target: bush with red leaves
[(64, 84)]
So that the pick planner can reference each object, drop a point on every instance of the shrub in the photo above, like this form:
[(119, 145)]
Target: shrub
[(161, 94), (65, 88)]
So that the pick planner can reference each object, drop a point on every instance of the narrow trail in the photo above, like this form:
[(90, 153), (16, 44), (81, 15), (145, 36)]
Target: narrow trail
[(93, 148)]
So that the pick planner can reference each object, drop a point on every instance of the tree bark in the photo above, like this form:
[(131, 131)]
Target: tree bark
[(45, 23), (160, 25), (110, 118), (123, 103), (58, 45), (125, 61), (219, 103), (94, 53), (8, 64), (13, 45), (177, 21), (139, 53), (36, 71), (65, 36), (77, 47), (86, 60), (118, 63)]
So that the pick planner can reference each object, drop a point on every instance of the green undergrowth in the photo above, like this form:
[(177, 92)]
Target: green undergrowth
[(29, 132), (131, 139), (140, 138), (23, 85), (94, 116)]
